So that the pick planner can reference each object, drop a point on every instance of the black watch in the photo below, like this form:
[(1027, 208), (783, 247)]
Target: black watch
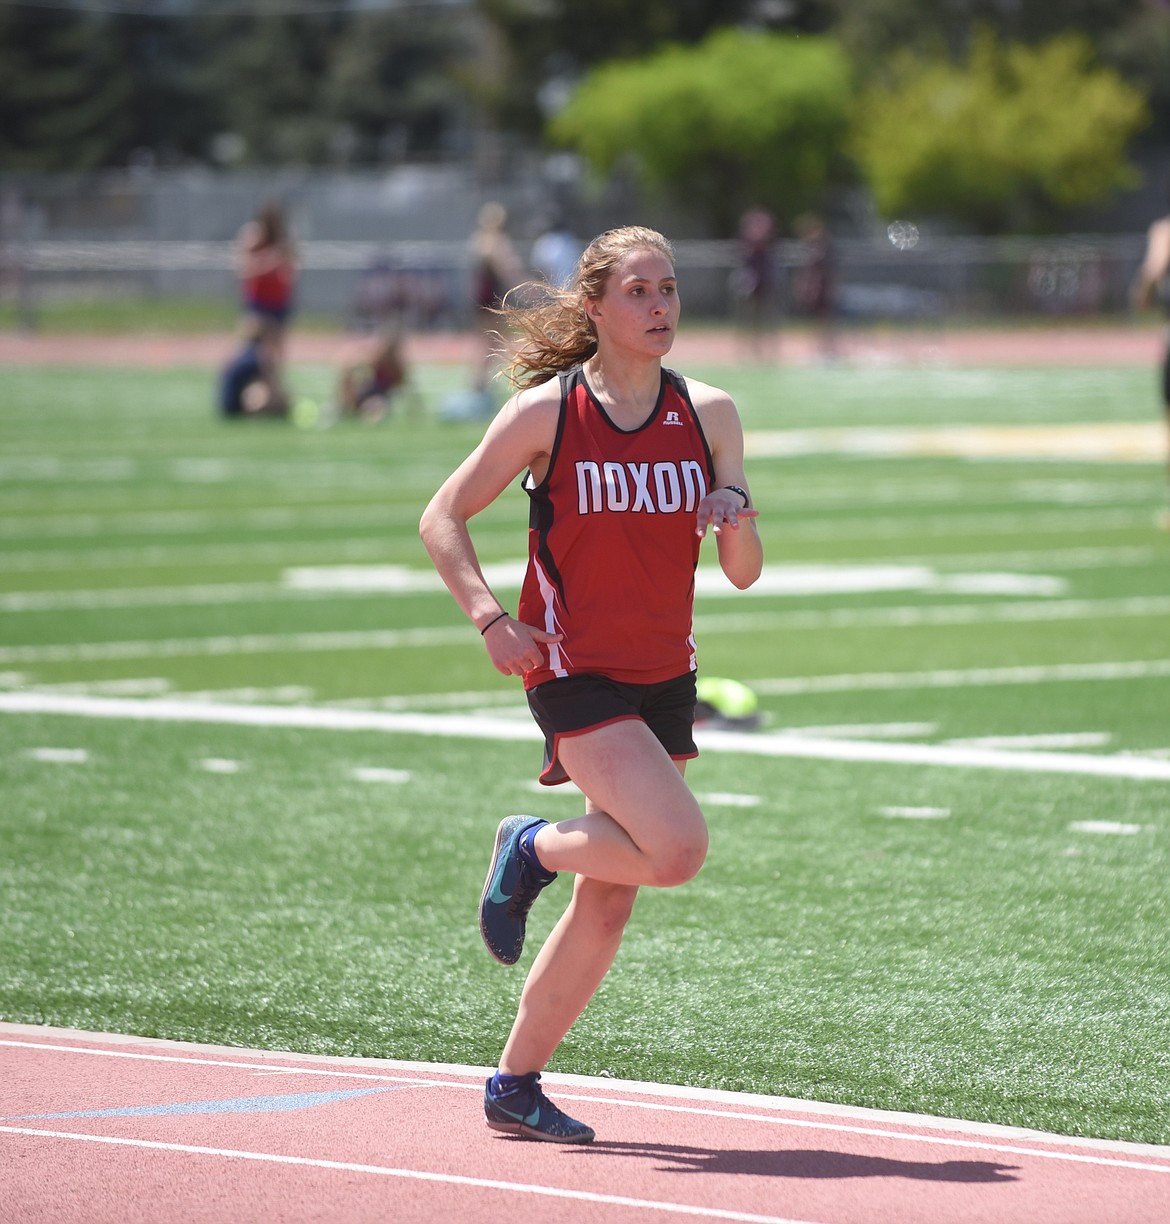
[(747, 501)]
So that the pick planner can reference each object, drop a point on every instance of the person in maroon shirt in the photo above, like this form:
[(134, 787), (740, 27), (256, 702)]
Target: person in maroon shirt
[(622, 460)]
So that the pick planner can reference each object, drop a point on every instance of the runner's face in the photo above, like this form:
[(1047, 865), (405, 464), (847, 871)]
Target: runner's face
[(640, 306)]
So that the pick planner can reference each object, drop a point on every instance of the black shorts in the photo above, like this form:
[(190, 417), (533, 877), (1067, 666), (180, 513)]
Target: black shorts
[(575, 704)]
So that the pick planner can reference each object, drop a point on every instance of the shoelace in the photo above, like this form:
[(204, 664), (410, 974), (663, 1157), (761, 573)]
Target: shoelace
[(528, 886)]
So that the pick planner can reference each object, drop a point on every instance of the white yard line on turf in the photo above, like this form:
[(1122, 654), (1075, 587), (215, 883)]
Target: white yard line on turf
[(783, 744), (973, 677), (394, 639)]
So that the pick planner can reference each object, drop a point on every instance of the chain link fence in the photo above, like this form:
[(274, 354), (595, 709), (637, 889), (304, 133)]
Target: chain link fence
[(368, 240)]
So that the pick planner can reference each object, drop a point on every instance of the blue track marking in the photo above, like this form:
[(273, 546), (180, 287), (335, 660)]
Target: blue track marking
[(281, 1103)]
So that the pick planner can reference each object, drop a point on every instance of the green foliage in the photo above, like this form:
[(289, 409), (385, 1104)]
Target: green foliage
[(558, 40), (1012, 137), (64, 99), (740, 119), (1130, 36)]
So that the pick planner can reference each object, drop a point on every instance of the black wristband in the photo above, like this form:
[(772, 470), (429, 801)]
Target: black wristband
[(492, 622), (747, 501)]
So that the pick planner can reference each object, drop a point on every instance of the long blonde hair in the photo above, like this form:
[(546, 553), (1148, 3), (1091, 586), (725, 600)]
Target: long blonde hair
[(556, 333)]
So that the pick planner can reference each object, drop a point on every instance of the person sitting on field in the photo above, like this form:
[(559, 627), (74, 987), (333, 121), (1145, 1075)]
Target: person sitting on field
[(250, 385), (372, 375)]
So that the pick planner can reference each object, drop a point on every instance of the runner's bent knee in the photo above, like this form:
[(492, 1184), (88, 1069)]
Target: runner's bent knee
[(678, 860)]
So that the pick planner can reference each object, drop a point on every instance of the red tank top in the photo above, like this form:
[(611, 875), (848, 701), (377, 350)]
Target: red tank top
[(272, 289), (612, 547)]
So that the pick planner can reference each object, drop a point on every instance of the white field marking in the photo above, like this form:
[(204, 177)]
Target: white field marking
[(1045, 559), (795, 580), (1114, 442), (220, 765), (141, 597), (390, 579), (395, 639), (698, 1100), (253, 643), (131, 686), (1072, 739), (495, 728), (709, 580), (791, 686), (906, 730), (60, 756), (251, 695), (176, 553), (377, 773), (303, 588), (1104, 826), (179, 522), (431, 701), (940, 526), (446, 1179), (916, 813), (729, 799), (910, 616)]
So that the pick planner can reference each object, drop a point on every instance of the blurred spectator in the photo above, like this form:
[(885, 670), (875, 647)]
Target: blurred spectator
[(267, 268), (250, 385), (555, 253), (373, 373), (816, 282), (387, 293), (495, 268), (381, 296), (1150, 286), (753, 283)]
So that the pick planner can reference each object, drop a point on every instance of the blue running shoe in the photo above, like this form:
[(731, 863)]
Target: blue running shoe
[(511, 887), (527, 1112)]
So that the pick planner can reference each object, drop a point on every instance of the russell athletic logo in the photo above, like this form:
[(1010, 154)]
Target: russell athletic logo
[(640, 488), (672, 418)]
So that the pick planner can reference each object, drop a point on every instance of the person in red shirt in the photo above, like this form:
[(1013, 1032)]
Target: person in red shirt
[(267, 268), (628, 466)]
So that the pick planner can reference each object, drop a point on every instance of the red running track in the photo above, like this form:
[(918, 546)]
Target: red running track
[(1020, 345), (100, 1129)]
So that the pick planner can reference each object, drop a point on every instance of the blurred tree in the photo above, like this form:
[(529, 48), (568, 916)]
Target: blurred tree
[(1008, 139), (1132, 36), (552, 43), (1140, 49), (741, 119), (333, 86), (64, 98), (263, 74), (391, 82)]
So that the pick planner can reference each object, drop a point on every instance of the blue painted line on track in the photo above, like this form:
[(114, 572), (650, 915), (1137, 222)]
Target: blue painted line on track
[(280, 1103)]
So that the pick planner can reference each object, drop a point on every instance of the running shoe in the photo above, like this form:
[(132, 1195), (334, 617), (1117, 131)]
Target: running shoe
[(511, 887), (527, 1112)]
